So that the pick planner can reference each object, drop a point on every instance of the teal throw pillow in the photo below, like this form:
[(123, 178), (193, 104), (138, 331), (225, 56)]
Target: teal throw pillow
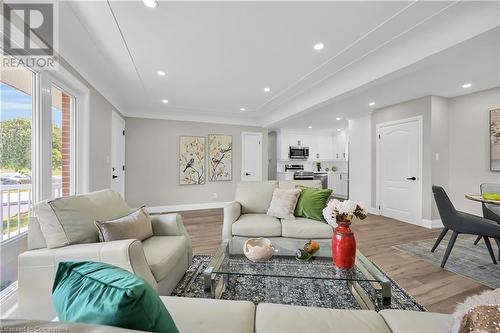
[(102, 294), (311, 203)]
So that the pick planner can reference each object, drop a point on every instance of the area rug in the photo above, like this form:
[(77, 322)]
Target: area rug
[(292, 291), (465, 259)]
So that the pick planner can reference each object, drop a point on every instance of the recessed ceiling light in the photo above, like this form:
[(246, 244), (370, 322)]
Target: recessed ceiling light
[(338, 118), (243, 109), (319, 46), (160, 73), (338, 129), (164, 101), (150, 3), (371, 103), (267, 89), (466, 85), (309, 127)]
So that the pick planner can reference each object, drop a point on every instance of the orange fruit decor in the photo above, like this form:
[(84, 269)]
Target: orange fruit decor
[(311, 246)]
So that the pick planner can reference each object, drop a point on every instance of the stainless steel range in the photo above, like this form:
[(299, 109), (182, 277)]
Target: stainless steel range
[(303, 175)]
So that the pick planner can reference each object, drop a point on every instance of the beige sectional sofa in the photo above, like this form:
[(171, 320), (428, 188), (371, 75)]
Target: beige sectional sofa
[(161, 259), (246, 218), (218, 316)]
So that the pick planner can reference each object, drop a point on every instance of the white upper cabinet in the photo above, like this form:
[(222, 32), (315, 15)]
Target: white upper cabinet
[(327, 147)]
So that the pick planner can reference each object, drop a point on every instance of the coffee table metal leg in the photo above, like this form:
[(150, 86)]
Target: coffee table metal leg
[(360, 295)]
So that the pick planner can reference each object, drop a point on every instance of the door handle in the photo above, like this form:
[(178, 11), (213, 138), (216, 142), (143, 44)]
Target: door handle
[(411, 178), (114, 177), (247, 174)]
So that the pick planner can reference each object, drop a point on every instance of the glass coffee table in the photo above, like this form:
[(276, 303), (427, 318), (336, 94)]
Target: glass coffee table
[(224, 264)]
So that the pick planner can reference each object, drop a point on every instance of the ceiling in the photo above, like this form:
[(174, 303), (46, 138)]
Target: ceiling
[(219, 56)]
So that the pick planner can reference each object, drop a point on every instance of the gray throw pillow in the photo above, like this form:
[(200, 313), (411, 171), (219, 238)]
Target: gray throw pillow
[(136, 225)]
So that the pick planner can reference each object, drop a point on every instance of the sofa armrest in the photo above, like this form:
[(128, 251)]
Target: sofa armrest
[(168, 225), (172, 225), (37, 270), (232, 212)]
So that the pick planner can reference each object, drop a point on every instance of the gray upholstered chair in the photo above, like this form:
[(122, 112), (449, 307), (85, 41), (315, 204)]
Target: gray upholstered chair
[(462, 223)]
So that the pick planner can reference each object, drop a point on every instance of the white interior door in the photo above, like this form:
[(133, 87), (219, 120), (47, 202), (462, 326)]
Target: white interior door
[(399, 161), (118, 153), (251, 151)]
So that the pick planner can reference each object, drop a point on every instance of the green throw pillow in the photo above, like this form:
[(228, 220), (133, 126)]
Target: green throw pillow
[(98, 293), (311, 203)]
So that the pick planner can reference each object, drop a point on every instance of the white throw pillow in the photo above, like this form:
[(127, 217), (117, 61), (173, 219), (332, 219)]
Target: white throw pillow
[(283, 203)]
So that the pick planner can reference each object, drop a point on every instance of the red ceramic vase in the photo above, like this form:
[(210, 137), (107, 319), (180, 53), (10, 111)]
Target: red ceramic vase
[(343, 246)]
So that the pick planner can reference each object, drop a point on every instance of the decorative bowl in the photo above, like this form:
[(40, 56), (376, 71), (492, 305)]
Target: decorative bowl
[(258, 249)]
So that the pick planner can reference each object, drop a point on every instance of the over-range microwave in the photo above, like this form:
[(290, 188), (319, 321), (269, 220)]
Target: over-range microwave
[(298, 153)]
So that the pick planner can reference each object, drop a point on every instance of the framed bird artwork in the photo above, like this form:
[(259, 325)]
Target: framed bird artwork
[(220, 157), (192, 166)]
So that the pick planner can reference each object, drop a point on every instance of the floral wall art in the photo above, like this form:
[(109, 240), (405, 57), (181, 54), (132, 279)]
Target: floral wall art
[(192, 169), (495, 140), (220, 157)]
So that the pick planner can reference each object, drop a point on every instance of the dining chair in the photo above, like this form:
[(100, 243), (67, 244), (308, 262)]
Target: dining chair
[(490, 211), (461, 223)]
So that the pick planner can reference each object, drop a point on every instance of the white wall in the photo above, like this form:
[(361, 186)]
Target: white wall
[(469, 146), (152, 162), (360, 160)]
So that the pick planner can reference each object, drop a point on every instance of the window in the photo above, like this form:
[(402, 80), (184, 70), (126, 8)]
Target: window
[(43, 150), (16, 171)]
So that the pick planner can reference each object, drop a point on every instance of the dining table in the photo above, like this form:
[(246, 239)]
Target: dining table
[(479, 198)]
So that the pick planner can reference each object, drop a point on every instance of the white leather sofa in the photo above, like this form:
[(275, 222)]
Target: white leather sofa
[(246, 218), (161, 259), (198, 315)]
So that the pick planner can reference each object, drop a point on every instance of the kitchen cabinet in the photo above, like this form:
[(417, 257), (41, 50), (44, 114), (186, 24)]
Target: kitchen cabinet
[(339, 183), (340, 146), (322, 147)]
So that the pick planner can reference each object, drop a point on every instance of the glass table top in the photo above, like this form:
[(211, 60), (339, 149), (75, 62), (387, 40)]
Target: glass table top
[(288, 267)]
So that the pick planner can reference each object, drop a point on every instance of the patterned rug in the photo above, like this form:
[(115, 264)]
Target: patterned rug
[(292, 291), (465, 259)]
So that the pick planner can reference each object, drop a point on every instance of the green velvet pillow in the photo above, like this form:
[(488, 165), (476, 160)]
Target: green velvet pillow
[(311, 203), (102, 294)]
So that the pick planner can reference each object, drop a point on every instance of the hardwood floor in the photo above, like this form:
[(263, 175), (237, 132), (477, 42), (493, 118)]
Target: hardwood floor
[(437, 289)]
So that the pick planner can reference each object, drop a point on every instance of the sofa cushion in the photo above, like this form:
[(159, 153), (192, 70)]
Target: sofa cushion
[(136, 225), (305, 228), (288, 184), (163, 253), (257, 225), (70, 220), (311, 203), (255, 197), (210, 315), (287, 318), (98, 293), (401, 321), (283, 203)]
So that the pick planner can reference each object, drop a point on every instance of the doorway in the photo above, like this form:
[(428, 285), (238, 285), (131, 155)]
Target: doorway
[(399, 169), (118, 153), (251, 152)]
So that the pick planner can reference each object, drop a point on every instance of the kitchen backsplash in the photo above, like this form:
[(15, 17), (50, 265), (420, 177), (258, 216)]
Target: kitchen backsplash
[(311, 165)]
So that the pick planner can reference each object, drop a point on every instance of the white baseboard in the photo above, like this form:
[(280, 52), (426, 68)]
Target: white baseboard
[(432, 224), (181, 208), (373, 211)]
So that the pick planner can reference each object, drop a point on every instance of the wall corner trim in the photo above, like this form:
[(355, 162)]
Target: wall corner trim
[(432, 224)]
